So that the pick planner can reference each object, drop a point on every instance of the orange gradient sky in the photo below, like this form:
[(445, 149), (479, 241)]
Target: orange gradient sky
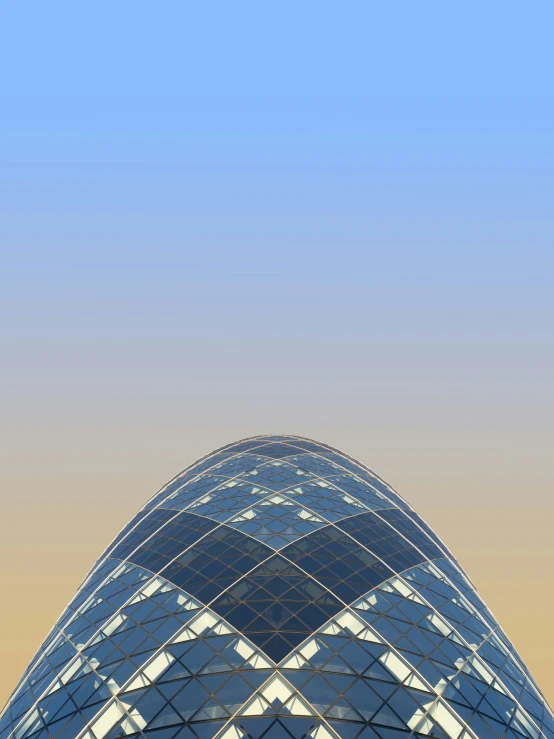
[(329, 221), (484, 488)]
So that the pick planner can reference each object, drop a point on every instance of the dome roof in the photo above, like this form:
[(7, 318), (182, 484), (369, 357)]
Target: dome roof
[(277, 588)]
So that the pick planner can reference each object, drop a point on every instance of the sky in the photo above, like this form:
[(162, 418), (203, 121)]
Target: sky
[(225, 219)]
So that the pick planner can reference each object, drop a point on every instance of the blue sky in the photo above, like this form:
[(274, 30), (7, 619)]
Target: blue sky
[(245, 175), (327, 219)]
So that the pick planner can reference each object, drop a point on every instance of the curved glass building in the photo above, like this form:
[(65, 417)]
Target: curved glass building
[(279, 589)]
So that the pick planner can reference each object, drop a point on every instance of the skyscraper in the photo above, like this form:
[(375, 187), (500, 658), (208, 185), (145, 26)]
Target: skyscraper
[(277, 588)]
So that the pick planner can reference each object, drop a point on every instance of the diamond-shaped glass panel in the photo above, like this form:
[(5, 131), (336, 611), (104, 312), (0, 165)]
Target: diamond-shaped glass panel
[(276, 589)]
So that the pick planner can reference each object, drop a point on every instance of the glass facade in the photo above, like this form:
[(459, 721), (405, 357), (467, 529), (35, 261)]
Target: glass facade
[(277, 588)]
